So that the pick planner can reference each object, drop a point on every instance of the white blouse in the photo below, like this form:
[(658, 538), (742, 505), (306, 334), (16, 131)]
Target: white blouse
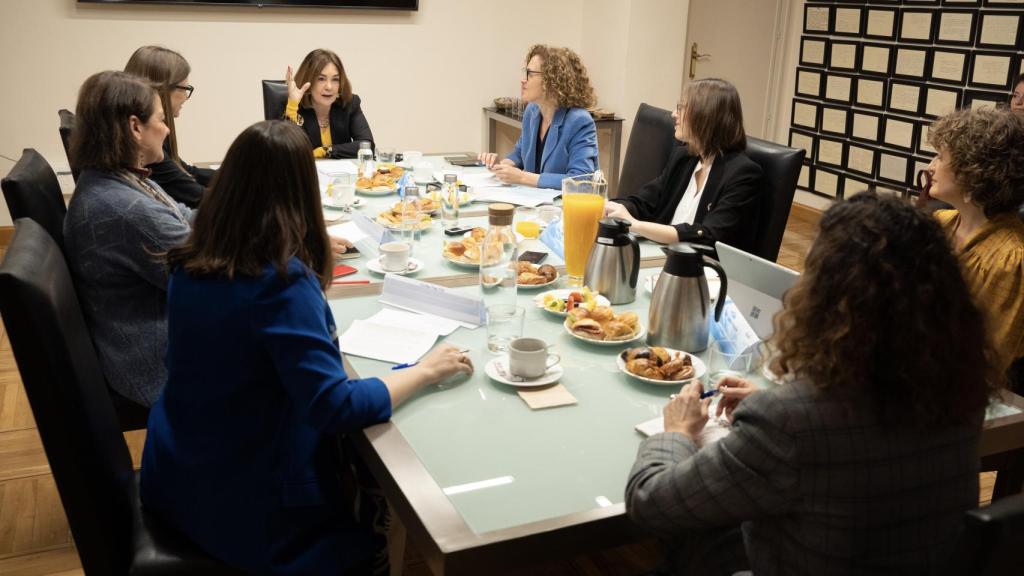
[(686, 210)]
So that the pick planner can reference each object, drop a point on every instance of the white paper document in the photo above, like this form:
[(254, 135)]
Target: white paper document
[(427, 298), (518, 195), (335, 167), (472, 179), (364, 233), (415, 321), (387, 343)]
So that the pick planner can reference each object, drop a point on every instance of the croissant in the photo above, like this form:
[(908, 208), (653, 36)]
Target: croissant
[(616, 330), (628, 318), (602, 313), (530, 278), (643, 367), (525, 267), (678, 369)]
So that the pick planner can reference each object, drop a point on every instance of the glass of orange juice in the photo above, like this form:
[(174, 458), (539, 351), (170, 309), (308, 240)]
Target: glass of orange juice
[(583, 199), (527, 223)]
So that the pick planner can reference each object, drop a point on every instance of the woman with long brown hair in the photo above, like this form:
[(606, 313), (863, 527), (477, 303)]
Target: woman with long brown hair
[(320, 100), (559, 137), (118, 222), (169, 72), (708, 191), (865, 460), (242, 452)]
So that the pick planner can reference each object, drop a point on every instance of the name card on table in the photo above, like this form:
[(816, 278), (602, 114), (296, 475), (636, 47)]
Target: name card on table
[(734, 333), (427, 298)]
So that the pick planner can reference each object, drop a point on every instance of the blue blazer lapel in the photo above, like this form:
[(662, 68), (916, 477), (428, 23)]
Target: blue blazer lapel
[(552, 138)]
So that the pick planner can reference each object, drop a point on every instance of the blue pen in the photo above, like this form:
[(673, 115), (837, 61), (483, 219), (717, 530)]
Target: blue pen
[(411, 364), (703, 395)]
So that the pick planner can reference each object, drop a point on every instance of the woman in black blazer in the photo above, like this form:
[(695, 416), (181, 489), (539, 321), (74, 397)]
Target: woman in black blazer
[(169, 72), (320, 100), (709, 189)]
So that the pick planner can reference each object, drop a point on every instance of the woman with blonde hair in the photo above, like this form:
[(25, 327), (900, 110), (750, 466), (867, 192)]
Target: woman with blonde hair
[(708, 191), (320, 100), (169, 72), (559, 138)]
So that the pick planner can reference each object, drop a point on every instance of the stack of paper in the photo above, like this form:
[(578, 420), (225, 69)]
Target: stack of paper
[(385, 342)]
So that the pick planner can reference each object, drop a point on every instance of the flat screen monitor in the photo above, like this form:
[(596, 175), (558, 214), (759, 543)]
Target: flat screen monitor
[(364, 4)]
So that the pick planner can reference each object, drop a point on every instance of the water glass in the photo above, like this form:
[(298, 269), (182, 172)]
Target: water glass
[(341, 191), (726, 358), (410, 215), (504, 324), (385, 155), (548, 214)]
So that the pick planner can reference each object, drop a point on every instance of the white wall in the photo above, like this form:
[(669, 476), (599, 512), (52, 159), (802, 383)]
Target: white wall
[(423, 76)]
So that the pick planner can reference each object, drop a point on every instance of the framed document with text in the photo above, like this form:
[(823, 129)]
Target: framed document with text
[(861, 159), (844, 56), (949, 65), (880, 23), (805, 114), (871, 92), (846, 21), (940, 101), (809, 82), (991, 70), (835, 120), (853, 185), (814, 51), (911, 62), (817, 18), (894, 168), (830, 152), (827, 182), (956, 27), (906, 97), (805, 180), (805, 141), (923, 147), (917, 25), (866, 126), (876, 59), (899, 133), (1000, 30), (839, 88)]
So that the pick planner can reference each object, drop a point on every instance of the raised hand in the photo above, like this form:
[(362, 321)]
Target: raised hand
[(295, 93)]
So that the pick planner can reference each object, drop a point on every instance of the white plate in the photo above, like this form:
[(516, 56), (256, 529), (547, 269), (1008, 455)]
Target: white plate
[(554, 374), (639, 334), (369, 192), (423, 224), (698, 369), (375, 266), (713, 282), (460, 263), (564, 293), (328, 203), (534, 286)]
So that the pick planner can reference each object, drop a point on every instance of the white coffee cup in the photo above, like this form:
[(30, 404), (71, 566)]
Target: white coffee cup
[(423, 172), (529, 358), (411, 157), (394, 256)]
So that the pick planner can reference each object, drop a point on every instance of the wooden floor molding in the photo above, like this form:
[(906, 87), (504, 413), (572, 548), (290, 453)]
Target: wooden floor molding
[(35, 539)]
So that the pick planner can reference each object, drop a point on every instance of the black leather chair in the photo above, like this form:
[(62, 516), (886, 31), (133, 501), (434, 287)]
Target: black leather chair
[(275, 98), (67, 124), (650, 144), (32, 191), (992, 539), (781, 168), (76, 420)]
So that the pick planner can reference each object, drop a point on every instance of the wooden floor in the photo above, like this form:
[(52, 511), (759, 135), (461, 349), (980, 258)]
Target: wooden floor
[(35, 539)]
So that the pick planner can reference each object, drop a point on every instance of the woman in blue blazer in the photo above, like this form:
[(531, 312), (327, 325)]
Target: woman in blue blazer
[(246, 453), (559, 138)]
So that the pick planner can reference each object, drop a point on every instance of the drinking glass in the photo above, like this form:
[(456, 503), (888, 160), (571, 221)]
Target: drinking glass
[(504, 324), (583, 200), (726, 358), (410, 215), (341, 191), (548, 214), (526, 221), (385, 155)]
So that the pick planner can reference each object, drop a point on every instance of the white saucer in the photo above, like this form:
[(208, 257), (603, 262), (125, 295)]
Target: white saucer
[(554, 374), (358, 203), (374, 265)]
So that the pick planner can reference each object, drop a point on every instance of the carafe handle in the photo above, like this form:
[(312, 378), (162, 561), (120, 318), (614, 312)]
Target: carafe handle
[(720, 304), (635, 273)]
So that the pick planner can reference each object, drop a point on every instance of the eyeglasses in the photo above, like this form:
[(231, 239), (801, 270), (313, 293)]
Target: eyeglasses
[(188, 88), (527, 73)]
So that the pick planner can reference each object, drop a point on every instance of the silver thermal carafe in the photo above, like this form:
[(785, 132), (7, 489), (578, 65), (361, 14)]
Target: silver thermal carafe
[(614, 262), (680, 302)]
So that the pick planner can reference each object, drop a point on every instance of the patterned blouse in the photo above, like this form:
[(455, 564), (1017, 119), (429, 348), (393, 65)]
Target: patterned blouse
[(993, 266)]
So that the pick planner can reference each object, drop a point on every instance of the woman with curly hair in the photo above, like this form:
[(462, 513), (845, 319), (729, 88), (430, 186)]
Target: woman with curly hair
[(559, 138), (866, 459), (320, 100), (979, 171), (708, 191)]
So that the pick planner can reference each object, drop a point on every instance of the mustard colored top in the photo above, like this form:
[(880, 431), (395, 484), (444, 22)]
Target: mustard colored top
[(993, 266), (292, 112)]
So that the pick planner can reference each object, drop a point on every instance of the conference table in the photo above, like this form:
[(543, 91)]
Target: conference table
[(484, 483)]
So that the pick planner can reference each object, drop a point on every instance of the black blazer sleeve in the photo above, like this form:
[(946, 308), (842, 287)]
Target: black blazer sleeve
[(731, 214), (178, 183), (202, 175), (348, 128), (654, 199)]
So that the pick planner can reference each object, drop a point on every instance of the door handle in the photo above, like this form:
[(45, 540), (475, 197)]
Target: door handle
[(694, 57)]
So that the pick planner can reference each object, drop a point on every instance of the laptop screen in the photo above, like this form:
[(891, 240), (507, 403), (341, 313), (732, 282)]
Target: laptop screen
[(756, 286)]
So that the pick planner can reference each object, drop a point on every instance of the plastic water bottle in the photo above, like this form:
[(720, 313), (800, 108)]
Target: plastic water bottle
[(450, 202), (365, 160), (498, 272)]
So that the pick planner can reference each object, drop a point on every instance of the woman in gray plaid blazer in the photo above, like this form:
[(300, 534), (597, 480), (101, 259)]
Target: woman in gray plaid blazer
[(866, 459)]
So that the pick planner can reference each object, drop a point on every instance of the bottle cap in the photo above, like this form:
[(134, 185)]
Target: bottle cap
[(500, 214), (365, 145), (451, 178)]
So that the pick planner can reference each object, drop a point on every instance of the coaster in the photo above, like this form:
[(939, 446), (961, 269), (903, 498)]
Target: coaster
[(549, 397)]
